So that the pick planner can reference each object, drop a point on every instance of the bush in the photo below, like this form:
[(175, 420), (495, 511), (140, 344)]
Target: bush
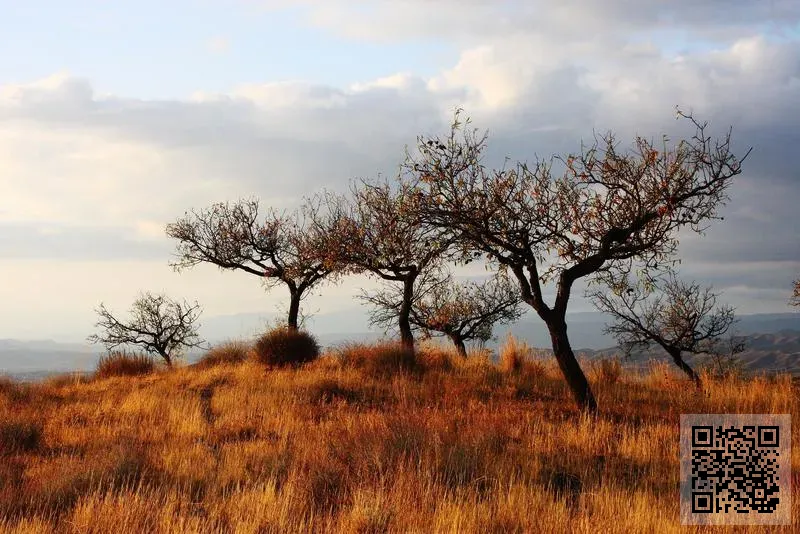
[(122, 363), (284, 346), (229, 352), (380, 359)]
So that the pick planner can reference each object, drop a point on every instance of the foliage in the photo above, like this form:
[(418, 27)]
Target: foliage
[(158, 324), (441, 306), (606, 210), (122, 363), (379, 231), (285, 346), (281, 249), (677, 316)]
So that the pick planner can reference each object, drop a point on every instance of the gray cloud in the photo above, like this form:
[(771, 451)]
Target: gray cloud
[(84, 244), (539, 78)]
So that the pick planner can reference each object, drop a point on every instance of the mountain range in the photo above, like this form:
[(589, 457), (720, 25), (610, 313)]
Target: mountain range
[(773, 340)]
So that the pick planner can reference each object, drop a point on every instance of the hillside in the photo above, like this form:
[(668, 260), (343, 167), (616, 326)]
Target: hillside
[(356, 444)]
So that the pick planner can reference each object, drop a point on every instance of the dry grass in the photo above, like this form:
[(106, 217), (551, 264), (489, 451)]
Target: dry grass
[(513, 354), (346, 445), (230, 352), (121, 363)]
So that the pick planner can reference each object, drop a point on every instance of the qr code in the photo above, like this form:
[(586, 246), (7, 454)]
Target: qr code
[(735, 469)]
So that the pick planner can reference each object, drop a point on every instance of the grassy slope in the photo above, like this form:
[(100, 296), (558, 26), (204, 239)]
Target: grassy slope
[(349, 448)]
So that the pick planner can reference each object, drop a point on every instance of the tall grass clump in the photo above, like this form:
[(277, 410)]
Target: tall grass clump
[(380, 359), (284, 346), (513, 354), (607, 370), (122, 363), (230, 352)]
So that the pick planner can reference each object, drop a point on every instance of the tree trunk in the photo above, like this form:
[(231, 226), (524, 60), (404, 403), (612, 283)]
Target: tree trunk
[(679, 361), (294, 310), (458, 341), (166, 357), (570, 368), (406, 336)]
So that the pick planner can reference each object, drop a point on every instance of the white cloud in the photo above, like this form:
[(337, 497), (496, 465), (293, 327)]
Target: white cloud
[(538, 76)]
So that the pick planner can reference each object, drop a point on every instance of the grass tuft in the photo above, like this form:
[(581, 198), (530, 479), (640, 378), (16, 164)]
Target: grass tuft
[(122, 363), (230, 352)]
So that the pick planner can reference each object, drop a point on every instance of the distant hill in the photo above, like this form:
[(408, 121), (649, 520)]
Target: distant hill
[(773, 340), (769, 353)]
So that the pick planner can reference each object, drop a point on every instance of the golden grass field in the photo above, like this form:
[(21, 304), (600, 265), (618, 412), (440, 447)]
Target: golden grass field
[(358, 444)]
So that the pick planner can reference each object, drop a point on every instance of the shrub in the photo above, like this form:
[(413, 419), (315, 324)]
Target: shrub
[(284, 346), (122, 363), (380, 359), (229, 352)]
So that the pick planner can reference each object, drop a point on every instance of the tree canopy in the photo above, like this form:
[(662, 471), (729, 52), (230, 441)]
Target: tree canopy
[(680, 317), (157, 323), (279, 249), (601, 210)]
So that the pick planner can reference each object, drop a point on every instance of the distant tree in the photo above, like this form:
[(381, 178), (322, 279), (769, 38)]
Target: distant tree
[(604, 211), (281, 249), (461, 311), (679, 317), (379, 231), (158, 324), (795, 301)]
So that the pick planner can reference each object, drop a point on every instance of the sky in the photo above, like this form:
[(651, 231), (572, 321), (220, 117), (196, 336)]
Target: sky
[(117, 117)]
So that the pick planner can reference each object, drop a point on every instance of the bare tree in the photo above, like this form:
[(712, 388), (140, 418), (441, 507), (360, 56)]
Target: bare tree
[(379, 231), (279, 250), (460, 311), (158, 324), (679, 317), (605, 210), (795, 301)]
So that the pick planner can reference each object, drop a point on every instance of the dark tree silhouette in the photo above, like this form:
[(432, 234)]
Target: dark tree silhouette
[(158, 324), (679, 317), (379, 231), (281, 249), (461, 311), (605, 210)]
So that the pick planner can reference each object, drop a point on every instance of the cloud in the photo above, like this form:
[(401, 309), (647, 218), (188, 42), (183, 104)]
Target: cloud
[(218, 45), (101, 175), (564, 22)]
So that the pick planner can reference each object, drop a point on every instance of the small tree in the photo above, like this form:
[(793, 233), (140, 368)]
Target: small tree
[(606, 209), (379, 231), (158, 324), (460, 311), (677, 316), (278, 250)]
